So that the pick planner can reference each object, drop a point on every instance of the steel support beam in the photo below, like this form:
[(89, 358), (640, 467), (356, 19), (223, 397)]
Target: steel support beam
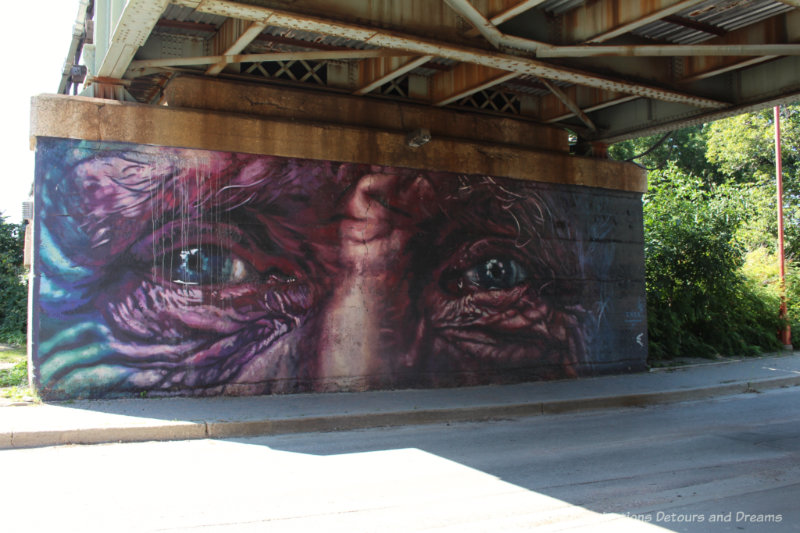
[(672, 50), (603, 103), (463, 80), (233, 36), (694, 25), (512, 12), (602, 20), (508, 14), (420, 46), (377, 71), (702, 68), (759, 86), (78, 35), (784, 28), (553, 109), (489, 31), (499, 40), (317, 55), (571, 105), (131, 30)]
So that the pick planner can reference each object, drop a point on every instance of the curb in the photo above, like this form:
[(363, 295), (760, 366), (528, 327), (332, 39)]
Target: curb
[(186, 430)]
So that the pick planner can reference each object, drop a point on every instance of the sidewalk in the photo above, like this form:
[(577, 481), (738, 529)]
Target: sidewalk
[(133, 420)]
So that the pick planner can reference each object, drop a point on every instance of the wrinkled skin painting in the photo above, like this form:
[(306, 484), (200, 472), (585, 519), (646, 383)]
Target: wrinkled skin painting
[(178, 271)]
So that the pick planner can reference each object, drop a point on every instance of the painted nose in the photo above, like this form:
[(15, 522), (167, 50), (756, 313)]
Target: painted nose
[(369, 321)]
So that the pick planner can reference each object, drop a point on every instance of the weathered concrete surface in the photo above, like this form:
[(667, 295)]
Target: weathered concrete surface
[(664, 468), (84, 422), (74, 117)]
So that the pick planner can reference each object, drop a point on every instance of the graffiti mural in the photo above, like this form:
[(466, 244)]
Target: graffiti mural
[(180, 271)]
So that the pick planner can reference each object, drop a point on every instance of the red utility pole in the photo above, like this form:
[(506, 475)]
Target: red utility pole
[(786, 332)]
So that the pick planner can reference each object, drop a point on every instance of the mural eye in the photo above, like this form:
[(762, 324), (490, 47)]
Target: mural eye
[(495, 273), (208, 264)]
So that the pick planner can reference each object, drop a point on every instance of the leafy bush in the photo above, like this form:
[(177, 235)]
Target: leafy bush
[(699, 301)]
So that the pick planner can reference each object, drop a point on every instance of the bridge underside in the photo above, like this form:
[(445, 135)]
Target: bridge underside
[(604, 69)]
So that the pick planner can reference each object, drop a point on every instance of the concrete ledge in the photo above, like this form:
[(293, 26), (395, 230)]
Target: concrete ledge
[(92, 119)]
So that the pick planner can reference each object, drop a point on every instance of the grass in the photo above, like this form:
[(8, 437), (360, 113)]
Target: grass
[(13, 355), (16, 376), (14, 380)]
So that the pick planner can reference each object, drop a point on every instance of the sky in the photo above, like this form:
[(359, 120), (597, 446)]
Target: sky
[(36, 40)]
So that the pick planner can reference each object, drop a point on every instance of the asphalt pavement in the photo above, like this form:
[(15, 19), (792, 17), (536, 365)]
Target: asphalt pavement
[(148, 419)]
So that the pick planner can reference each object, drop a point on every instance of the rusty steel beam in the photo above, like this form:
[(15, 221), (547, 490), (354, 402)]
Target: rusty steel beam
[(672, 50), (380, 70), (781, 29), (321, 55), (694, 25), (428, 18), (570, 103), (500, 40), (231, 38), (716, 66), (601, 98), (602, 20), (421, 46), (552, 109), (512, 12), (507, 14), (263, 37), (489, 31), (463, 80)]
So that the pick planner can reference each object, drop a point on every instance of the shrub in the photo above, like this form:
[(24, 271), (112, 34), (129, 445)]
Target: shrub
[(699, 301)]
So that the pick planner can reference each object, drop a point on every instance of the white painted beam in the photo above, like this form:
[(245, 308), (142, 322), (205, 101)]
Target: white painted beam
[(393, 74), (135, 23), (462, 92), (239, 43), (508, 14), (317, 55), (489, 31)]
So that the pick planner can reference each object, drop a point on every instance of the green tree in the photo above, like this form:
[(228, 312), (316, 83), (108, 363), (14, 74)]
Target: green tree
[(685, 149), (13, 285), (699, 302), (711, 231), (742, 148)]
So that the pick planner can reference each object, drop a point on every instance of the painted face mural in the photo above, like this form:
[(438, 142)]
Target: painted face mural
[(194, 272)]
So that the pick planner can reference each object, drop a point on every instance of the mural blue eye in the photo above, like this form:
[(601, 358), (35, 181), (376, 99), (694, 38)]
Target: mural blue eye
[(496, 273), (206, 265), (488, 274)]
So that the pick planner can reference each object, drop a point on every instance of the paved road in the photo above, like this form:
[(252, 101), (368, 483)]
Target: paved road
[(676, 467)]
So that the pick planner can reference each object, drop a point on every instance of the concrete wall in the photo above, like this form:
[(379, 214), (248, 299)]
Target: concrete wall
[(188, 268)]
